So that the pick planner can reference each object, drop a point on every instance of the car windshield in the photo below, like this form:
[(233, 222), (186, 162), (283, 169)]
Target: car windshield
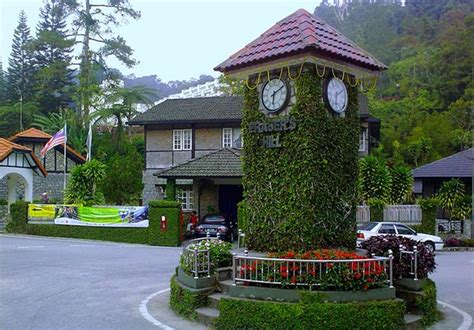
[(368, 226), (403, 230), (213, 218)]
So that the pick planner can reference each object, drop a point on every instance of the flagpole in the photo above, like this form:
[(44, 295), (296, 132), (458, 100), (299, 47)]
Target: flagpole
[(65, 159)]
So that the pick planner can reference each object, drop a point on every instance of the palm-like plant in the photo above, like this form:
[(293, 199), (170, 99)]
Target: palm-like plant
[(10, 117)]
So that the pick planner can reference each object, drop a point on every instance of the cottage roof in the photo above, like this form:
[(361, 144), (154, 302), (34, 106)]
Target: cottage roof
[(459, 165), (8, 147), (34, 134), (224, 163), (200, 109), (300, 32)]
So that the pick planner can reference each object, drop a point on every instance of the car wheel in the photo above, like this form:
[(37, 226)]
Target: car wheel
[(430, 247)]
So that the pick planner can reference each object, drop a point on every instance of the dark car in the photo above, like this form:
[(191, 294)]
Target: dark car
[(216, 223)]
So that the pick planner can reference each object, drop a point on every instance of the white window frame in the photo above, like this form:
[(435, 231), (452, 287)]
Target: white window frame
[(182, 139), (363, 139), (184, 194), (227, 137)]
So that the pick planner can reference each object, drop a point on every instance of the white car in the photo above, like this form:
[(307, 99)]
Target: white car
[(432, 243)]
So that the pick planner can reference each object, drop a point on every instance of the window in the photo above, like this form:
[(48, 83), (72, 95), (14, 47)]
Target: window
[(402, 230), (387, 229), (237, 138), (227, 138), (185, 196), (182, 139), (362, 139), (368, 226)]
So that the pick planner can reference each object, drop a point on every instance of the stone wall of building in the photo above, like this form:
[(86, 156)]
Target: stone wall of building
[(53, 185), (209, 197), (150, 190)]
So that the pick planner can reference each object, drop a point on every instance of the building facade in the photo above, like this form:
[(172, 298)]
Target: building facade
[(197, 142)]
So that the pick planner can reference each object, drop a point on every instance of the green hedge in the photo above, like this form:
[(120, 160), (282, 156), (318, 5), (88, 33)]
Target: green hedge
[(185, 301), (426, 304), (302, 195), (172, 211), (376, 209), (152, 235), (19, 218), (248, 314)]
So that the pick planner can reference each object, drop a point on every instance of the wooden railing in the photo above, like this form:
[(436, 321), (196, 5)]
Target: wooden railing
[(402, 213)]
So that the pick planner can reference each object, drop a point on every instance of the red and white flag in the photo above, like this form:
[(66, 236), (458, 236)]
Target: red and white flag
[(59, 138)]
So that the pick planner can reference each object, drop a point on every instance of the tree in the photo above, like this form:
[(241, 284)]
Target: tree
[(419, 150), (94, 23), (375, 179), (123, 180), (401, 184), (20, 64), (52, 51), (14, 117), (3, 85), (83, 183)]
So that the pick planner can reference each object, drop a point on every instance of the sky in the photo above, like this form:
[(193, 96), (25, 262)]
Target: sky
[(176, 40)]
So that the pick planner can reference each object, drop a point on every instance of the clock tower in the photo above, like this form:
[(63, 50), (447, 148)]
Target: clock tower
[(301, 133)]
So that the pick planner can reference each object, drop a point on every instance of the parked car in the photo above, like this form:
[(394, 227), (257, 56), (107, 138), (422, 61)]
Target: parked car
[(216, 223), (432, 243)]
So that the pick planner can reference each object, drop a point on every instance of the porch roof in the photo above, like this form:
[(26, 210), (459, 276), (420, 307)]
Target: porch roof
[(224, 163)]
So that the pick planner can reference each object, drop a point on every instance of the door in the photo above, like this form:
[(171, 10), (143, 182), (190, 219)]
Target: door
[(229, 197)]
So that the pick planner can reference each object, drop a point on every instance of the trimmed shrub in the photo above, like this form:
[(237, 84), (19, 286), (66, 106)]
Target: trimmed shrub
[(375, 178), (19, 218), (248, 314), (172, 211), (379, 245), (401, 185), (184, 301), (426, 304), (220, 255), (376, 209)]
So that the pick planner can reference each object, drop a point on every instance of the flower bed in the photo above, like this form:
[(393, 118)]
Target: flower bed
[(207, 255), (336, 270)]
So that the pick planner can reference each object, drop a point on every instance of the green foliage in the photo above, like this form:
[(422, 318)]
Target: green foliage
[(20, 64), (428, 211), (170, 189), (302, 195), (401, 184), (116, 234), (219, 253), (3, 202), (452, 199), (19, 218), (123, 177), (426, 304), (172, 212), (375, 179), (419, 150), (376, 208), (184, 301), (10, 115), (251, 314), (83, 182)]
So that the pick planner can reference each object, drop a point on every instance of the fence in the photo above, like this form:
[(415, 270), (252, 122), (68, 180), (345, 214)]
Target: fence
[(310, 273), (412, 257), (363, 214), (196, 256), (402, 213)]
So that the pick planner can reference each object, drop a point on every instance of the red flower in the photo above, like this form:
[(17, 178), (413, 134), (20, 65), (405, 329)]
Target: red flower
[(357, 276), (370, 280), (330, 266), (293, 279), (294, 268), (290, 255), (284, 274), (365, 287)]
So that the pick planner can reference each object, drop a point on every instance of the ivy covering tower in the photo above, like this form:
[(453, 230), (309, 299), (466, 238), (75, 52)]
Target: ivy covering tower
[(301, 134)]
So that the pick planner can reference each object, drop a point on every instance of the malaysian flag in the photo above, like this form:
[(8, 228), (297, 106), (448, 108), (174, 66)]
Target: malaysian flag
[(57, 139)]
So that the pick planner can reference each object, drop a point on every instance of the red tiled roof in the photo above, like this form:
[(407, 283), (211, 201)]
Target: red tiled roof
[(7, 147), (297, 33), (34, 133)]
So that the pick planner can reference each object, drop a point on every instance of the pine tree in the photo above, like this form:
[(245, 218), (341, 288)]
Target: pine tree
[(20, 64), (3, 83), (52, 51)]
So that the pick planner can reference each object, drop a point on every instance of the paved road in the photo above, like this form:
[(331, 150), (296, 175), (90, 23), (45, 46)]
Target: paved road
[(455, 284), (48, 283), (72, 284)]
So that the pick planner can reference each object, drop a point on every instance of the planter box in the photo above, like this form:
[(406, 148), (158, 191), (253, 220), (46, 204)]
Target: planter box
[(293, 295), (195, 283), (224, 273), (410, 284)]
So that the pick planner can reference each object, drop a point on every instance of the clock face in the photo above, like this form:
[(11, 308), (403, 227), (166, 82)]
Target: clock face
[(274, 95), (336, 95)]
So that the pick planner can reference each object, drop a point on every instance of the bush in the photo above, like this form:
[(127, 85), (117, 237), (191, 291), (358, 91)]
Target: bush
[(379, 245), (429, 207), (375, 178), (427, 305), (3, 202), (401, 186), (171, 210), (251, 314), (83, 183), (456, 242), (184, 301), (376, 209), (219, 251), (452, 199), (19, 218)]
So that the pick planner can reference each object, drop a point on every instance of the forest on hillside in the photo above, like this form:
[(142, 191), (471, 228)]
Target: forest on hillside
[(425, 98)]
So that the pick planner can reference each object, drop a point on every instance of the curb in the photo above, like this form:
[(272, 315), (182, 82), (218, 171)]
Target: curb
[(458, 249)]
